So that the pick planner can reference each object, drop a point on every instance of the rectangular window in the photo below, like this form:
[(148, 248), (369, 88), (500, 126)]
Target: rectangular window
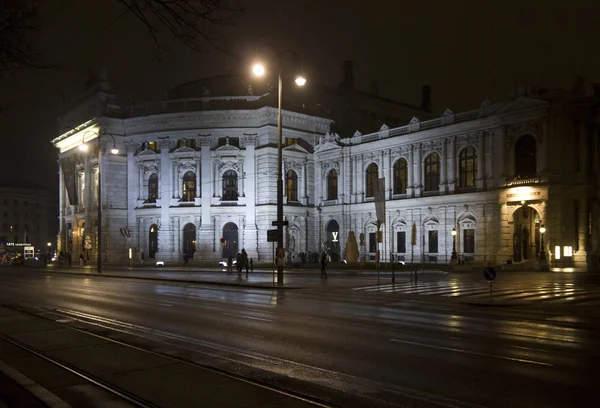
[(401, 242), (469, 241), (568, 251), (372, 242), (557, 252), (433, 242)]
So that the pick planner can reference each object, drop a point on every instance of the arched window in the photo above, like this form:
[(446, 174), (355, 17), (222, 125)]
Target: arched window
[(153, 188), (400, 176), (189, 239), (467, 167), (332, 187), (432, 172), (525, 157), (291, 186), (230, 184), (372, 175), (189, 186)]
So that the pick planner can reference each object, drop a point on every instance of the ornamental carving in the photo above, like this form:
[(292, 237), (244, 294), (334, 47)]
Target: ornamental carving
[(187, 166), (329, 138), (165, 143), (372, 157), (204, 140), (330, 164), (228, 165), (294, 165), (249, 140), (534, 128), (150, 168)]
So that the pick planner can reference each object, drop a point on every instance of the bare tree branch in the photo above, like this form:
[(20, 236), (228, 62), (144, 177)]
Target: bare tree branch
[(190, 21), (17, 23)]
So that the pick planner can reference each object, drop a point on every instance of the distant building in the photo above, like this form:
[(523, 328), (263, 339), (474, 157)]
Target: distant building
[(27, 216), (196, 174)]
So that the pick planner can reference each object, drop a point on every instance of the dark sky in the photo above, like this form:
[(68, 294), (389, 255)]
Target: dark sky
[(466, 50)]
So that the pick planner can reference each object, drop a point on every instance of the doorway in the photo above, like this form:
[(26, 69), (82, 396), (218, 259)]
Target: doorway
[(189, 239), (153, 241), (230, 236), (526, 236)]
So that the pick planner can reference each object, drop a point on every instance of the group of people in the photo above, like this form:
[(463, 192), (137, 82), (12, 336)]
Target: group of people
[(241, 262)]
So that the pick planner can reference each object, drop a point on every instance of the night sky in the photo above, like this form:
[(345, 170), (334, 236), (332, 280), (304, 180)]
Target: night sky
[(466, 50)]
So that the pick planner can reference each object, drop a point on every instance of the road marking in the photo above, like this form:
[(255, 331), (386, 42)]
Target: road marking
[(247, 317), (153, 303), (520, 360)]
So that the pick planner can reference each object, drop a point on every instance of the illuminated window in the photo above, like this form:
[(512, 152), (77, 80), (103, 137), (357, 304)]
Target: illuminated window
[(291, 185), (467, 167), (230, 186), (189, 186), (332, 187), (557, 252), (152, 146), (432, 172), (400, 176), (153, 188), (568, 251), (372, 174)]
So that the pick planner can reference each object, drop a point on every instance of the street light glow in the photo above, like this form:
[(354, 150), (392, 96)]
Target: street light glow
[(542, 229), (114, 150), (258, 69), (453, 231), (83, 147), (300, 80)]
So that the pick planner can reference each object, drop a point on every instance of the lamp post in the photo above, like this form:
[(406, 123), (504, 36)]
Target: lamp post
[(259, 70), (543, 249), (453, 257), (113, 150)]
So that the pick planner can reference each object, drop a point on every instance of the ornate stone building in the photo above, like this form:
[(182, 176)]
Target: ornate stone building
[(198, 176)]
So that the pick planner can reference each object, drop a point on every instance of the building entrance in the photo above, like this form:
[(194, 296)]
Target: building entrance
[(230, 235), (526, 234)]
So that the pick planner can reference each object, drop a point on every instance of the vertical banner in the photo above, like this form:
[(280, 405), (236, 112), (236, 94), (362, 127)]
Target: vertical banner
[(380, 200), (70, 178)]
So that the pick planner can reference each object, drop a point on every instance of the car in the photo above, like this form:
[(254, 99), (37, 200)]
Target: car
[(224, 263)]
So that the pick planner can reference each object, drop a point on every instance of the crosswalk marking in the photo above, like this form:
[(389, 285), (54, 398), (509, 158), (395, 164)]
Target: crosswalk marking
[(552, 293)]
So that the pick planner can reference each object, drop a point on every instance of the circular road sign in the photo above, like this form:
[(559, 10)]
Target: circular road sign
[(489, 273), (87, 245)]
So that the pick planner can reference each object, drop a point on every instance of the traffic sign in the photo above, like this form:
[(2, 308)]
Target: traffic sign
[(272, 235), (489, 273), (276, 223), (87, 245)]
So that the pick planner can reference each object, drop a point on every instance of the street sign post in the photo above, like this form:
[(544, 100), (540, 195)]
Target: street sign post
[(489, 274), (272, 235)]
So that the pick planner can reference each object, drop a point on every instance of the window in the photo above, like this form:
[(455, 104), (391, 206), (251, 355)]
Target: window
[(372, 242), (152, 146), (189, 186), (332, 188), (432, 172), (568, 251), (467, 167), (153, 188), (291, 186), (401, 242), (289, 141), (469, 241), (372, 175), (400, 176), (433, 242), (525, 157), (230, 191)]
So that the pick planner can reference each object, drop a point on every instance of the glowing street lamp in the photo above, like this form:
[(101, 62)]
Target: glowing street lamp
[(543, 250), (453, 243), (259, 70)]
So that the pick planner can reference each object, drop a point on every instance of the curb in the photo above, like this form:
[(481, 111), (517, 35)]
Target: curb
[(33, 388)]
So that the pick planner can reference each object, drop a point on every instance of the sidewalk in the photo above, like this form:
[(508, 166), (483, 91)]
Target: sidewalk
[(27, 380)]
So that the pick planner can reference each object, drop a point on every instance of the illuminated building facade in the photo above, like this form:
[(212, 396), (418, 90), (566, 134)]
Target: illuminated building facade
[(196, 176)]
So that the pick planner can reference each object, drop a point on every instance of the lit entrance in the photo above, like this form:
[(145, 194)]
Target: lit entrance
[(332, 242), (189, 239), (526, 234), (153, 241), (230, 235)]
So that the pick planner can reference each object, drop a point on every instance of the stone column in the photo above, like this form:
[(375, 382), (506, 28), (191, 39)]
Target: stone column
[(205, 246), (132, 187), (509, 151), (177, 186), (417, 165), (443, 165), (177, 232), (489, 172), (140, 177), (452, 167), (387, 173), (165, 232), (250, 232), (318, 183), (354, 178), (198, 180), (480, 161), (410, 189), (303, 181)]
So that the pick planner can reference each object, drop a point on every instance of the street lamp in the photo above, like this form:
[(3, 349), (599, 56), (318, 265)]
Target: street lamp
[(453, 257), (113, 150), (259, 70), (543, 250)]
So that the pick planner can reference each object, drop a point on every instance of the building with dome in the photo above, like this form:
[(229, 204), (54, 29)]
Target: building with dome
[(196, 174)]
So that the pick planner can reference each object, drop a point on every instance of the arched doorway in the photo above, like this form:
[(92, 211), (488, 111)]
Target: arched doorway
[(230, 235), (332, 242), (153, 241), (526, 234), (189, 239)]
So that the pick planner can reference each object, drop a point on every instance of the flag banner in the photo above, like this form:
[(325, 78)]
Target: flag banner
[(380, 200), (69, 172), (413, 235)]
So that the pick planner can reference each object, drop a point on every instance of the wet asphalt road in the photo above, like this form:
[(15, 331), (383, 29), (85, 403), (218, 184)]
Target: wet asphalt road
[(351, 347)]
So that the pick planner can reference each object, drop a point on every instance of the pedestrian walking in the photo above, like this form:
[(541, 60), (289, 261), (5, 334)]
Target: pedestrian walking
[(238, 263), (142, 256), (229, 263), (244, 260), (324, 261), (81, 258)]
